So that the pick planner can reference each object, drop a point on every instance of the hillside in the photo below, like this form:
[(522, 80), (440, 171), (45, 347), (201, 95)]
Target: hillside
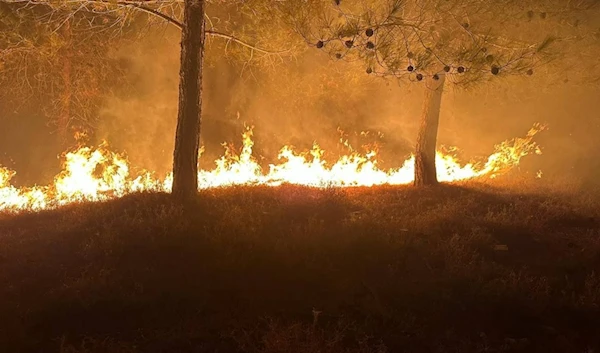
[(460, 268)]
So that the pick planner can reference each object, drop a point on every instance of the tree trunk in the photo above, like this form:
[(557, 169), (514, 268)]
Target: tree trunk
[(64, 118), (187, 138), (425, 171)]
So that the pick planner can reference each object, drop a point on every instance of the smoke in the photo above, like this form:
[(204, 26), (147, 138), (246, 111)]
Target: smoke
[(309, 99), (296, 102), (139, 118)]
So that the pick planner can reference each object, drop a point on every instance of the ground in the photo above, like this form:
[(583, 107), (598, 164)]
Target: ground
[(475, 267)]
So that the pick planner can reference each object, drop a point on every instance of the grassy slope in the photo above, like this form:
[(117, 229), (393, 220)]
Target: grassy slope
[(243, 269)]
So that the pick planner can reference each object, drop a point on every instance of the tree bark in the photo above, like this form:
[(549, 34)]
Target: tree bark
[(187, 138), (425, 170)]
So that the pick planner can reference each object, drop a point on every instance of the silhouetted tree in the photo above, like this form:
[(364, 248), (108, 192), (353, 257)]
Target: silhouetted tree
[(185, 157), (257, 17), (441, 42), (187, 139)]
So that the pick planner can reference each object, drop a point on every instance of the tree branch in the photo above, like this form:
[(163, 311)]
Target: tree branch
[(243, 43), (210, 32), (138, 5), (145, 9)]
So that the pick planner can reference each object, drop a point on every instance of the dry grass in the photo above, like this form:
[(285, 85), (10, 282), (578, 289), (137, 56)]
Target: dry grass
[(390, 269)]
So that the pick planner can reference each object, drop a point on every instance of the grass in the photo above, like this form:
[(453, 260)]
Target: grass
[(292, 269)]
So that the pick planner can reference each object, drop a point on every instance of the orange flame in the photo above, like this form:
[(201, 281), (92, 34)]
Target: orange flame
[(100, 174)]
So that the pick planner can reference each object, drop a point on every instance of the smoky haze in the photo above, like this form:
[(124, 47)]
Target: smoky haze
[(307, 99)]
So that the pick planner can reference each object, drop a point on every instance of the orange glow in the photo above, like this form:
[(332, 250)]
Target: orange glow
[(99, 174)]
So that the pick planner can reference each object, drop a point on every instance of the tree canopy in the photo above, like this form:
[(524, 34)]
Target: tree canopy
[(467, 40)]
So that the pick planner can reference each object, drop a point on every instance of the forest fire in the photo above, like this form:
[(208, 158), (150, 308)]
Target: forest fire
[(100, 174)]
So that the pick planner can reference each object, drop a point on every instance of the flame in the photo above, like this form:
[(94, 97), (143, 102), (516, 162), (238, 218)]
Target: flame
[(99, 174)]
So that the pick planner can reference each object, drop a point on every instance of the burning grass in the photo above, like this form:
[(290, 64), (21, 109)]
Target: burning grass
[(249, 269), (100, 174)]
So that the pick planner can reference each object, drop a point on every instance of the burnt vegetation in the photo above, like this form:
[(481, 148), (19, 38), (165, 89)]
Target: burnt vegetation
[(469, 268)]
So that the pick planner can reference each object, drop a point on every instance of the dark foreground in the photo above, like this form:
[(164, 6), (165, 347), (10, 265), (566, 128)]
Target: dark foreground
[(244, 269)]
